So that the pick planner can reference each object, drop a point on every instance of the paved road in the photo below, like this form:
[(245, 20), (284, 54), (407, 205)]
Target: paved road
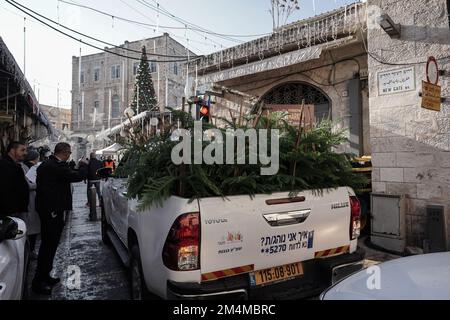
[(102, 276)]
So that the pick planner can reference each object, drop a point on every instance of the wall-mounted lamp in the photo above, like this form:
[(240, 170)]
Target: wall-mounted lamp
[(391, 28)]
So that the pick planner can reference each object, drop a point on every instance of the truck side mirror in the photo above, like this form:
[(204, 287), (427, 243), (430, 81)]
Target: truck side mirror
[(11, 229)]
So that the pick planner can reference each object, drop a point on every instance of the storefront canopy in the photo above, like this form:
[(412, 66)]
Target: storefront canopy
[(113, 149)]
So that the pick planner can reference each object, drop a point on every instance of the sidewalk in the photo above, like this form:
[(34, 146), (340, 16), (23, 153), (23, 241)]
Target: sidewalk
[(102, 275)]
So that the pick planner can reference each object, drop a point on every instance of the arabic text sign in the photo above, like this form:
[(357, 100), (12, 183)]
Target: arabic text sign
[(396, 81), (431, 96)]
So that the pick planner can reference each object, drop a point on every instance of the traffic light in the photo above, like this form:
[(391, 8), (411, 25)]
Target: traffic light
[(203, 110)]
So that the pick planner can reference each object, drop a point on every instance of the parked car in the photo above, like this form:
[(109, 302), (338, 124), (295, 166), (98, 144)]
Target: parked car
[(269, 246), (13, 259), (421, 277)]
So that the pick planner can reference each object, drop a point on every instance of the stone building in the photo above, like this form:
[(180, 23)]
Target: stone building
[(103, 86), (321, 60), (410, 144), (368, 79), (60, 118)]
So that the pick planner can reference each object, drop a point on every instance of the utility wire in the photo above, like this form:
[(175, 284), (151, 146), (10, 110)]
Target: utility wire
[(87, 43), (93, 38), (184, 22), (164, 27)]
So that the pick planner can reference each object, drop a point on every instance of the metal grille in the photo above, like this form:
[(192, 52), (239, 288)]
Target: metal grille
[(294, 93)]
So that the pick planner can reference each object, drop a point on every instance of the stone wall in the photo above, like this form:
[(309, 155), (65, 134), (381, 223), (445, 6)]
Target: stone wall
[(410, 145), (337, 66)]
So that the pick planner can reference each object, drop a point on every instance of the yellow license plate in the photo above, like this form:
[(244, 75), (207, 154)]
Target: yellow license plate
[(276, 274)]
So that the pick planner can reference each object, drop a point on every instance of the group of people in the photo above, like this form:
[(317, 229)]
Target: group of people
[(40, 194)]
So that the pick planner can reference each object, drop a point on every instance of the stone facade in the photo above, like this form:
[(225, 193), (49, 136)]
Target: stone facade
[(60, 118), (410, 145), (100, 83), (323, 54)]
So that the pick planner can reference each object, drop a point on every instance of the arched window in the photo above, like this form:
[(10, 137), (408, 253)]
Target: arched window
[(115, 107), (293, 93)]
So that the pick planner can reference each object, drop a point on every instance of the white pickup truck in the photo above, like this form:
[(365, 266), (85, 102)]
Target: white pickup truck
[(272, 246)]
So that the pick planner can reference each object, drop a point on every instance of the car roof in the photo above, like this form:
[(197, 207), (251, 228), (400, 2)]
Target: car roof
[(421, 277)]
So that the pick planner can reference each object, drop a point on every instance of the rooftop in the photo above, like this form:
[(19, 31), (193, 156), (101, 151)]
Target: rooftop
[(323, 28)]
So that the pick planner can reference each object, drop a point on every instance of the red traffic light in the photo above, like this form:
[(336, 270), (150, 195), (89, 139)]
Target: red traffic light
[(204, 111)]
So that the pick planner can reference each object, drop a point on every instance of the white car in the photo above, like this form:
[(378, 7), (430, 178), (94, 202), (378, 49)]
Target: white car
[(422, 277), (13, 259), (271, 246)]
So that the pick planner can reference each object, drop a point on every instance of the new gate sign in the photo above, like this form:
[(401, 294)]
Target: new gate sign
[(396, 81)]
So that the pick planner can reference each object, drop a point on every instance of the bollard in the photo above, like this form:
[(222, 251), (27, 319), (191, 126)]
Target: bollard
[(93, 202)]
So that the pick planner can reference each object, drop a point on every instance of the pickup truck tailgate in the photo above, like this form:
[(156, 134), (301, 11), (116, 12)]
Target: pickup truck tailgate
[(270, 230)]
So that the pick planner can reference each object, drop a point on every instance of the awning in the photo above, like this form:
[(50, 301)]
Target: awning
[(113, 149), (10, 69)]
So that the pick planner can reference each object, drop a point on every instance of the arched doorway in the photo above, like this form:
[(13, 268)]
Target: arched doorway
[(289, 97)]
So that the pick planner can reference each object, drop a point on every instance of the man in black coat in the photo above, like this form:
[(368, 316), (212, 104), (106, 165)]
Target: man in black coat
[(14, 192), (53, 199)]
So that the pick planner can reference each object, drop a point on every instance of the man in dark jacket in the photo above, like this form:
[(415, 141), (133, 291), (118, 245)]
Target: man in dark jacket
[(93, 178), (53, 199), (14, 192)]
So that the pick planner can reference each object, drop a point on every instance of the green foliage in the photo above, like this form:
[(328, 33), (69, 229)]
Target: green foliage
[(307, 161)]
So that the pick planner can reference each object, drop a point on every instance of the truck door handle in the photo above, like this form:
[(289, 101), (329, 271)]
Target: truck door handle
[(114, 188), (287, 218)]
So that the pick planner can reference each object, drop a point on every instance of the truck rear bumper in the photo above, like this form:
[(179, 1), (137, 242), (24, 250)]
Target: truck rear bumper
[(319, 275)]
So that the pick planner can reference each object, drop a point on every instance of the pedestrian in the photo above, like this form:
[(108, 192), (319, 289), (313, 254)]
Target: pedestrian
[(53, 200), (14, 191), (109, 163), (72, 164), (33, 220), (93, 178)]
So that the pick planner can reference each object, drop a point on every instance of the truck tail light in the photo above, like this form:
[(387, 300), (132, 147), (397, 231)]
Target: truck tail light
[(355, 219), (182, 248)]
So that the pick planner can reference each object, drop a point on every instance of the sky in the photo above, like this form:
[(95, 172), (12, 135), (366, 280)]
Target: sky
[(48, 57)]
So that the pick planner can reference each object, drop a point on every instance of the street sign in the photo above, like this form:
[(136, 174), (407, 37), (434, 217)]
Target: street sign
[(431, 96), (432, 70)]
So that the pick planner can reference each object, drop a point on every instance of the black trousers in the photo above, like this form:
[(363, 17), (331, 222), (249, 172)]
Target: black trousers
[(52, 225)]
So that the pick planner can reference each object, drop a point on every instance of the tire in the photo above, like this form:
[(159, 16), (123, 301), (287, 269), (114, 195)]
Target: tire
[(104, 225), (138, 288)]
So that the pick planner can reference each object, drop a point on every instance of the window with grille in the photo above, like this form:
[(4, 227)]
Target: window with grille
[(82, 77), (175, 68), (135, 68), (115, 107), (115, 72), (152, 67), (96, 74)]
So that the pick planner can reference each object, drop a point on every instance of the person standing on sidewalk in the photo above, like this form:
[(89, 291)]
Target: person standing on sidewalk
[(93, 178), (53, 199), (33, 221), (14, 192)]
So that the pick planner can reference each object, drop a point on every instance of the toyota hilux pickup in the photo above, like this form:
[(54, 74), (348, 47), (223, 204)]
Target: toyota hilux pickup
[(266, 247)]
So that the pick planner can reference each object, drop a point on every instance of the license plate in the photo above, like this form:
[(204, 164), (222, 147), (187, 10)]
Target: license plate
[(276, 274)]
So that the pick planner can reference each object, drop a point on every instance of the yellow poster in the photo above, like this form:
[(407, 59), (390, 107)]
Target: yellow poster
[(431, 96)]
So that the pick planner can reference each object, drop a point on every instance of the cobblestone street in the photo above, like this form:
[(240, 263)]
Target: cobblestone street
[(102, 276)]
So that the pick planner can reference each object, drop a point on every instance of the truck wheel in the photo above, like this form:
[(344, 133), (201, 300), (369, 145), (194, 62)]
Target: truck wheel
[(139, 289), (105, 237)]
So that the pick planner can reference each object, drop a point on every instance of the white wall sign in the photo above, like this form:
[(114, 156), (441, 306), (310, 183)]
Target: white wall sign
[(396, 81)]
